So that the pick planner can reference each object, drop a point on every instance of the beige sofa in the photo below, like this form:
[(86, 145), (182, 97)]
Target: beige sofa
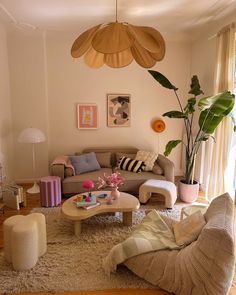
[(204, 267), (107, 158)]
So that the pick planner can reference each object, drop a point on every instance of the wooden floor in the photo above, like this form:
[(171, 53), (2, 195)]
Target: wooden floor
[(33, 201)]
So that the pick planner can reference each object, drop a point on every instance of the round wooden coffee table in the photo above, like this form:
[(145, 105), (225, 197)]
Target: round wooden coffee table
[(126, 204)]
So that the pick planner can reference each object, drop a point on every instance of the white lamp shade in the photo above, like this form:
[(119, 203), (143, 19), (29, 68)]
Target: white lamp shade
[(31, 135)]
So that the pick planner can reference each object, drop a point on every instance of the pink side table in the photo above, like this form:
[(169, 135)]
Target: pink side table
[(50, 191)]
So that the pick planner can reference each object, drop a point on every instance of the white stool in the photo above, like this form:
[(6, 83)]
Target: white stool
[(163, 187), (24, 240)]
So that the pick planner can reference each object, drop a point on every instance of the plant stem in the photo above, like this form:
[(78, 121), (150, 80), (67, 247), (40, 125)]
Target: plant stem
[(185, 119), (191, 124), (194, 161)]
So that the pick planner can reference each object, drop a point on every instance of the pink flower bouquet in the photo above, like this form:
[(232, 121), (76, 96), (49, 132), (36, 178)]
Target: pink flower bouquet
[(113, 181)]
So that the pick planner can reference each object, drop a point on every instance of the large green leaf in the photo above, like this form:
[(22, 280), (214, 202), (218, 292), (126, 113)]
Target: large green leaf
[(189, 109), (170, 145), (174, 114), (195, 86), (208, 122), (162, 80), (219, 104), (214, 109)]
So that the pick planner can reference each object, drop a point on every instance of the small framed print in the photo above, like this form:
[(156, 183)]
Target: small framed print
[(118, 110), (87, 115)]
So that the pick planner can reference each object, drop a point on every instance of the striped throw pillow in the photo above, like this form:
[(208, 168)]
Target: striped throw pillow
[(131, 165)]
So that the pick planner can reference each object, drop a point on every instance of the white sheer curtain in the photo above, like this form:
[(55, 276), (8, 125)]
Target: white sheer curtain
[(217, 154)]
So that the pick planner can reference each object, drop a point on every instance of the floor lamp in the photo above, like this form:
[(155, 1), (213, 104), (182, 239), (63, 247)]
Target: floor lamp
[(33, 136)]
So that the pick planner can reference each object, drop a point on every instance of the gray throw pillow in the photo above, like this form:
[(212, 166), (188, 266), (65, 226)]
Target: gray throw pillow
[(85, 163)]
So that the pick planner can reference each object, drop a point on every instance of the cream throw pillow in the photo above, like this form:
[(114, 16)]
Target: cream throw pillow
[(187, 230), (148, 158)]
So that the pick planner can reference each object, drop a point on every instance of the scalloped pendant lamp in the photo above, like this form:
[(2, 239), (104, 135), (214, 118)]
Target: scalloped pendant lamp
[(117, 44)]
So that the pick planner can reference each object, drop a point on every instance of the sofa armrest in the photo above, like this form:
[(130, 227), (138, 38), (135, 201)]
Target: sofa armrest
[(58, 170), (168, 167)]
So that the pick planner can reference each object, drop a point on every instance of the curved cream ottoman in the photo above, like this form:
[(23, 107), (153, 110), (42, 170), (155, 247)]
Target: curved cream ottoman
[(163, 187), (24, 240)]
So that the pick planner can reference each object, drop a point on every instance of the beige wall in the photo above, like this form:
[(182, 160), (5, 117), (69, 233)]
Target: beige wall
[(46, 85), (5, 109), (28, 98)]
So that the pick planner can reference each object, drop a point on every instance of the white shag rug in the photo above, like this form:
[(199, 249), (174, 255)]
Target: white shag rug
[(75, 263)]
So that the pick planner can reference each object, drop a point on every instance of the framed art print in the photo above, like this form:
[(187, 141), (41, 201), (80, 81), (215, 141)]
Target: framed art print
[(118, 110), (87, 116)]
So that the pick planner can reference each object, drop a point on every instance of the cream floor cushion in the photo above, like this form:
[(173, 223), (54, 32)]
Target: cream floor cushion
[(24, 240), (204, 267)]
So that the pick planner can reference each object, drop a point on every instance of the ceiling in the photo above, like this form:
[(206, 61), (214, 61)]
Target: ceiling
[(168, 16)]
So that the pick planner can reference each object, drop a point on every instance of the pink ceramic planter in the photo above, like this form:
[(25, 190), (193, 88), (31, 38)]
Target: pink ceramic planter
[(188, 192)]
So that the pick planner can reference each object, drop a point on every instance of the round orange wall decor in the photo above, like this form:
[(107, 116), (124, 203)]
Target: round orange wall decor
[(158, 126)]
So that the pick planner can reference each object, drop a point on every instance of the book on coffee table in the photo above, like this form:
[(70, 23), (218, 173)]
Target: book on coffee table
[(84, 203), (91, 206)]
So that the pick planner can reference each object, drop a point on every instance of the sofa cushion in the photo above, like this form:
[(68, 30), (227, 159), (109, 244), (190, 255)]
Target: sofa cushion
[(148, 158), (104, 159), (131, 165), (127, 155), (187, 230), (69, 172), (85, 163), (157, 169)]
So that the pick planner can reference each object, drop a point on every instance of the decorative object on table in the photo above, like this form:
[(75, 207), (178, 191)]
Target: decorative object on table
[(113, 181), (50, 191), (87, 114), (116, 44), (87, 202), (109, 200), (79, 198), (88, 185), (33, 136), (212, 111), (118, 110)]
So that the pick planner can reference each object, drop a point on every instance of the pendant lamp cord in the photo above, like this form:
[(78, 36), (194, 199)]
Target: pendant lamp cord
[(116, 10)]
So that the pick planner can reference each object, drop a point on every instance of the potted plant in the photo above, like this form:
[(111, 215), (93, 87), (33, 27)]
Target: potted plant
[(210, 111)]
